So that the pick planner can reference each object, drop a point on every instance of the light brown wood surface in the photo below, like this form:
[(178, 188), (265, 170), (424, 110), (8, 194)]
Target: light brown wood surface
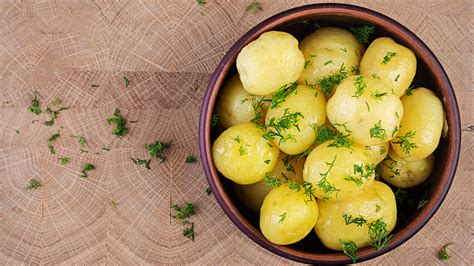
[(165, 48)]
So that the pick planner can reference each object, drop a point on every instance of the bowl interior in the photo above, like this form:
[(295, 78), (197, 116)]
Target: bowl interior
[(416, 205)]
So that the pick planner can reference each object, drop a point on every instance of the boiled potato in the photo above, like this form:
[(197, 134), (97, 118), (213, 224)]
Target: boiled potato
[(242, 155), (288, 167), (365, 107), (377, 202), (421, 126), (270, 62), (338, 173), (391, 62), (378, 152), (325, 51), (286, 216), (295, 118), (235, 105), (405, 174)]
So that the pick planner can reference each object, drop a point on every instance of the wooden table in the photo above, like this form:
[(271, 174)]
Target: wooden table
[(166, 49)]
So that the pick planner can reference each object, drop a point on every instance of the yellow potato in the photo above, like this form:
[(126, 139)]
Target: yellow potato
[(377, 202), (421, 126), (269, 62), (378, 152), (325, 50), (287, 167), (241, 154), (299, 113), (366, 107), (391, 62), (338, 173), (406, 173), (286, 216), (235, 105)]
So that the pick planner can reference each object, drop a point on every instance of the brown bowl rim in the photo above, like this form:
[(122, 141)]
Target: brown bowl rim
[(452, 114)]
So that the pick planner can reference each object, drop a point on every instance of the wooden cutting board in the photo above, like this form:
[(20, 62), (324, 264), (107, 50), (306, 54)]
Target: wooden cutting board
[(167, 50)]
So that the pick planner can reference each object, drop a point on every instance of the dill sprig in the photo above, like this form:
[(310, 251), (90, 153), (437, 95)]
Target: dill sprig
[(142, 161), (253, 7), (280, 95), (358, 220), (214, 120), (409, 90), (378, 132), (51, 142), (33, 184), (126, 81), (324, 133), (392, 165), (360, 86), (157, 149), (388, 57), (189, 232), (64, 160), (328, 83), (183, 213), (404, 142), (80, 139), (378, 96), (443, 252), (34, 108), (120, 128), (277, 126), (190, 159), (362, 34), (282, 217), (271, 181), (340, 140), (87, 167), (349, 248), (378, 234), (323, 184)]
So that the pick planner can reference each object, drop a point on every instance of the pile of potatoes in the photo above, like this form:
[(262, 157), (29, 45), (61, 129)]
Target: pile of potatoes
[(307, 126)]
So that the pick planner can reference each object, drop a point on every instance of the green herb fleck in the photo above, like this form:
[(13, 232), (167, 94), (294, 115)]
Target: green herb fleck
[(106, 148), (271, 181), (396, 79), (355, 69), (377, 208), (267, 161), (189, 232), (56, 101), (360, 86), (280, 95), (214, 120), (349, 248), (157, 149), (328, 62), (33, 184), (278, 127), (142, 161), (404, 142), (363, 33), (378, 96), (359, 220), (87, 167), (208, 191), (282, 217), (183, 213), (64, 160), (323, 184), (409, 90), (120, 128), (324, 133), (443, 252), (378, 234), (254, 7), (114, 203), (127, 82), (307, 64), (328, 83), (34, 108), (422, 203), (378, 132), (388, 57), (190, 159), (80, 139)]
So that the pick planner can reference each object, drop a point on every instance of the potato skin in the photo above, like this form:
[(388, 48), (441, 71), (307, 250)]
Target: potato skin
[(423, 117), (378, 152), (344, 160), (270, 62), (378, 201), (252, 195), (300, 215), (234, 104), (326, 50), (245, 167), (398, 72), (405, 174), (361, 114), (312, 105)]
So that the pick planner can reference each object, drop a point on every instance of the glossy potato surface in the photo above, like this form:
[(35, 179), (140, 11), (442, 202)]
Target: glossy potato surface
[(286, 217), (235, 105), (341, 181), (377, 202), (270, 62), (406, 173), (421, 126), (287, 166), (311, 105), (378, 152), (325, 50), (393, 63), (368, 109), (240, 152)]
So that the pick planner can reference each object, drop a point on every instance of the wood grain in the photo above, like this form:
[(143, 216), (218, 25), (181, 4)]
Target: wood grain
[(165, 48)]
